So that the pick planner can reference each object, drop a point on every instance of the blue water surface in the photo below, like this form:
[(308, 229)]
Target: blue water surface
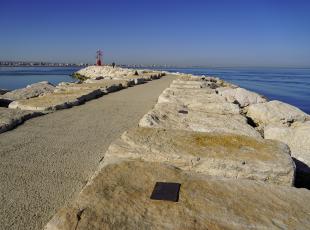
[(291, 85), (19, 77)]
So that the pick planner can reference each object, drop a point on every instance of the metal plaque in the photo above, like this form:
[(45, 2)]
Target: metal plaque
[(166, 191)]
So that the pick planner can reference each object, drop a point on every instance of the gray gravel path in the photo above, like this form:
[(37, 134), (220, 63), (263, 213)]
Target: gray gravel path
[(46, 161)]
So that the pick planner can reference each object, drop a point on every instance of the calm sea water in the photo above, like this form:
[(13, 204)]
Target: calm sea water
[(290, 85), (19, 77)]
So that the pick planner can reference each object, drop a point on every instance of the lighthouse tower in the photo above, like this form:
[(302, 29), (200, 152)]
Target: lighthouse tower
[(99, 57)]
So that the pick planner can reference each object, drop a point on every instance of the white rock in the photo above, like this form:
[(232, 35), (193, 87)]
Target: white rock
[(30, 91), (242, 96), (10, 118), (171, 116), (57, 100), (117, 73), (275, 112), (297, 137), (225, 155)]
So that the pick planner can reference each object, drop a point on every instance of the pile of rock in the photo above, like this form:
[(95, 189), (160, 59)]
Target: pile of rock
[(194, 105), (199, 136), (45, 97), (286, 123), (118, 73), (33, 90)]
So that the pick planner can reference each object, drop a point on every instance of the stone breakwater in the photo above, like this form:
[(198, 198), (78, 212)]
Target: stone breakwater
[(43, 97), (231, 150)]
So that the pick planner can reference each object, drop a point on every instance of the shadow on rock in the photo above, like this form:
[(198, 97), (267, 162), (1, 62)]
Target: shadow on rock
[(302, 179)]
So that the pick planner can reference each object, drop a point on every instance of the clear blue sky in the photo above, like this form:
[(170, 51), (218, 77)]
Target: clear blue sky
[(209, 33)]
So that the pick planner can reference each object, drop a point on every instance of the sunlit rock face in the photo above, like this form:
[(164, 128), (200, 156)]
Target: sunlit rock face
[(220, 119), (275, 112), (10, 118), (57, 100), (216, 154), (33, 90), (296, 137), (118, 73), (242, 96), (119, 197)]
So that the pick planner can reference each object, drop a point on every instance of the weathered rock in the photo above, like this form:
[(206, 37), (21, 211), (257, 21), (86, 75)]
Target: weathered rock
[(215, 108), (57, 100), (138, 81), (242, 96), (106, 86), (118, 197), (186, 96), (275, 112), (224, 155), (30, 91), (63, 84), (3, 91), (10, 118), (117, 73), (297, 137), (203, 100), (152, 75), (215, 80), (179, 84), (171, 116)]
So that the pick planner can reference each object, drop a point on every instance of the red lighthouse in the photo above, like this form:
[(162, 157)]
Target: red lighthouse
[(99, 57)]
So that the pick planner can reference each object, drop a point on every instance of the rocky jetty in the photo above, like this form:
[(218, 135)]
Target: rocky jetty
[(45, 97), (286, 123), (229, 148), (197, 107)]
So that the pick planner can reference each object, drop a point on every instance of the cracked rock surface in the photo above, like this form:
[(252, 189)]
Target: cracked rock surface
[(118, 197), (33, 90), (216, 154), (10, 118)]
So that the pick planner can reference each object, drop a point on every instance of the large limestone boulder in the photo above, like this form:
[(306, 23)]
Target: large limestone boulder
[(30, 91), (106, 86), (275, 112), (58, 100), (225, 108), (194, 100), (179, 84), (224, 155), (186, 96), (118, 197), (242, 96), (213, 82), (171, 116), (10, 118), (297, 137)]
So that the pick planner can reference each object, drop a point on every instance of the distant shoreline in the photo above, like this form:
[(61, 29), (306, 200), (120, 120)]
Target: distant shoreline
[(62, 66)]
